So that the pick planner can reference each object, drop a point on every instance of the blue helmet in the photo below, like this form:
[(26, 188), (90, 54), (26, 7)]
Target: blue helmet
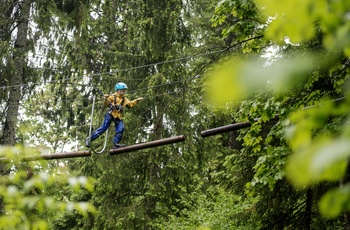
[(120, 86)]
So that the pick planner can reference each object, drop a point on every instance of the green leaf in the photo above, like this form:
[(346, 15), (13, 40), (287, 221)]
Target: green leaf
[(326, 160), (336, 201)]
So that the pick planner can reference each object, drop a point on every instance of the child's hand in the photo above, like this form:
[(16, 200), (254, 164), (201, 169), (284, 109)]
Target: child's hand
[(139, 99)]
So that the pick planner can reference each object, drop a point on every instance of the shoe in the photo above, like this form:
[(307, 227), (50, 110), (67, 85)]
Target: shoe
[(117, 146), (87, 142)]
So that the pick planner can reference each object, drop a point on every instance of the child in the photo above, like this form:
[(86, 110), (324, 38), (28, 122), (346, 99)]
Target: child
[(116, 103)]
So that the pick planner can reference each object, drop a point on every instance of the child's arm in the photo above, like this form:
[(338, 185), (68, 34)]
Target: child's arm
[(132, 103)]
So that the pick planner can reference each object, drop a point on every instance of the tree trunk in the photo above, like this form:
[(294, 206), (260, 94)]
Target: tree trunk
[(308, 209), (15, 92), (18, 62)]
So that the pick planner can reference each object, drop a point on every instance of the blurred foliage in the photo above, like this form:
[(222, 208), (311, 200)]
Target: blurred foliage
[(237, 77), (27, 192), (317, 135)]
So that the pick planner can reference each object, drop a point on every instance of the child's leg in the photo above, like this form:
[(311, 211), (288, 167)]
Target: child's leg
[(119, 129), (105, 125)]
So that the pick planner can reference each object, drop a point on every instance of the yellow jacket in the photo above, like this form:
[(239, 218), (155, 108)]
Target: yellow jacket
[(118, 99)]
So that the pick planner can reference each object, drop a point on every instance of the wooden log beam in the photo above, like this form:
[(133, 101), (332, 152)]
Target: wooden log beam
[(87, 153), (146, 145), (226, 128), (52, 156), (231, 127)]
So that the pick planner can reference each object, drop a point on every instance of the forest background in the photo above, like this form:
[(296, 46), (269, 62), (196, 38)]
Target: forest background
[(281, 65)]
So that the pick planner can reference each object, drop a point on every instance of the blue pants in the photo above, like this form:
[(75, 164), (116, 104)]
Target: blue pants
[(119, 128)]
